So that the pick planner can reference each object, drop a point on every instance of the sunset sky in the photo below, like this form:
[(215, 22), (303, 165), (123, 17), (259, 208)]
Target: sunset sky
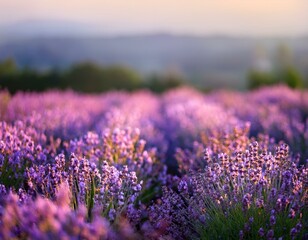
[(236, 17)]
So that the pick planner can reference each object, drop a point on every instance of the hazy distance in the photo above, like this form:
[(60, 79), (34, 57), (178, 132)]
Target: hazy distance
[(118, 17), (209, 42)]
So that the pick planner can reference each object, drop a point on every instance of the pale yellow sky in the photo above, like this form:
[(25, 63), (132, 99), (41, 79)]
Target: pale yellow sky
[(245, 17)]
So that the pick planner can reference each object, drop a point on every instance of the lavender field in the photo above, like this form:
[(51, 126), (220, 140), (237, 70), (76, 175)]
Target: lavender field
[(180, 165)]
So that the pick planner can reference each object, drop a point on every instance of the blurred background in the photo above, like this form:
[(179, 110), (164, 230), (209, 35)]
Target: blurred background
[(101, 45)]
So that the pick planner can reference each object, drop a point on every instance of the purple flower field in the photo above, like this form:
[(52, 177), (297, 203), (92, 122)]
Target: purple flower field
[(181, 165)]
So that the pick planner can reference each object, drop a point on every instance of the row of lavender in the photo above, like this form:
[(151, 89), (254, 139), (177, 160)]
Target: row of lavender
[(201, 166), (172, 120)]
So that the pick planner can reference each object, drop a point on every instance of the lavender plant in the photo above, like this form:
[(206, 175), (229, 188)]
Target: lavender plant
[(278, 111), (17, 151), (125, 151), (106, 190), (22, 218), (249, 194), (76, 166)]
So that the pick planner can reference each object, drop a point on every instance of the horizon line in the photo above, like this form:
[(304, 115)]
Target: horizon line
[(137, 34)]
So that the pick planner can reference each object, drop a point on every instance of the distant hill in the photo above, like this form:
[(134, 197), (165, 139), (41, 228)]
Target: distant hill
[(46, 28), (207, 61)]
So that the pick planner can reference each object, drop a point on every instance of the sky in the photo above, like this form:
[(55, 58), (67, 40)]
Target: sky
[(231, 17)]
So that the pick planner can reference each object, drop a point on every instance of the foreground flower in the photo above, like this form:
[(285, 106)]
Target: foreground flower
[(245, 194)]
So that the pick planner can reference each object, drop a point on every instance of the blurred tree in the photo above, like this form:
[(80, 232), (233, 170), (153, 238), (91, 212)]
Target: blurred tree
[(53, 79), (283, 71), (292, 78), (118, 77), (82, 77), (8, 68), (158, 83), (8, 74), (258, 79), (89, 77)]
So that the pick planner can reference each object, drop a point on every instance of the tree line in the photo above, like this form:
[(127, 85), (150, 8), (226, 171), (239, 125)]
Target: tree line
[(89, 77), (280, 70), (82, 77)]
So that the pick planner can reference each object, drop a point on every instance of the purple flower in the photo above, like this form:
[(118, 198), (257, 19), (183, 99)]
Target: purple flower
[(272, 220), (261, 232), (270, 234)]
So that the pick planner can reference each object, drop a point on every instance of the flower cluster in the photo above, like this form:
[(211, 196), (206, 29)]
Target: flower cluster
[(247, 193), (18, 150), (125, 151), (45, 219), (181, 165), (278, 111)]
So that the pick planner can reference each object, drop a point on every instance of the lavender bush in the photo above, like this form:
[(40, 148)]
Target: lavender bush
[(183, 165), (249, 194)]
